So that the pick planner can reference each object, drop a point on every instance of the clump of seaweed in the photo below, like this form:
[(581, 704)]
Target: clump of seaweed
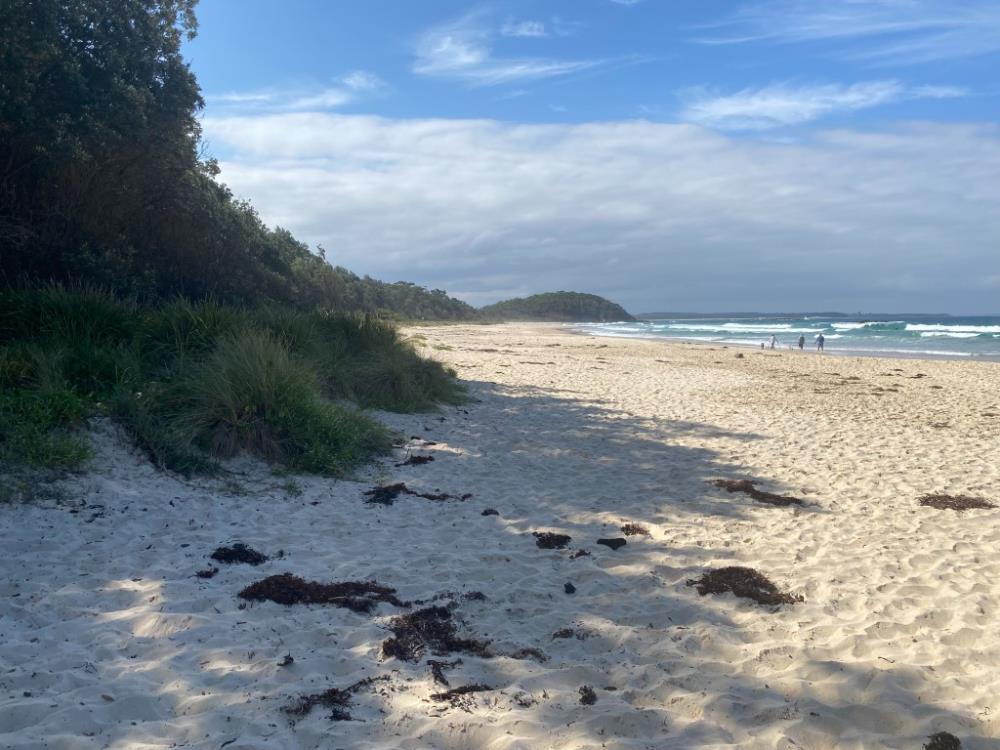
[(551, 540), (587, 695), (529, 653), (955, 502), (614, 543), (386, 494), (239, 553), (337, 699), (461, 697), (431, 628), (287, 589), (438, 667), (743, 582), (747, 487), (416, 460), (634, 529), (943, 741), (209, 572)]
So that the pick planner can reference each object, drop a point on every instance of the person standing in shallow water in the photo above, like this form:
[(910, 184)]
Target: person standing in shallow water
[(819, 342), (774, 340), (802, 343)]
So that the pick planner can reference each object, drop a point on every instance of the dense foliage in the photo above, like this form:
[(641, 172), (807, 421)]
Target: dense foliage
[(101, 178), (197, 381), (557, 306)]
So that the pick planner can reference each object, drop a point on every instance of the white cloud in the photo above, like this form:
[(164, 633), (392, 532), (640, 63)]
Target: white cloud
[(653, 215), (782, 104), (299, 98), (461, 50), (535, 29), (879, 31), (626, 2), (363, 80)]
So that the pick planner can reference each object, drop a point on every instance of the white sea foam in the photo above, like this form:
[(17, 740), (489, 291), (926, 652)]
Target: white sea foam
[(948, 334), (952, 329), (866, 324), (749, 328)]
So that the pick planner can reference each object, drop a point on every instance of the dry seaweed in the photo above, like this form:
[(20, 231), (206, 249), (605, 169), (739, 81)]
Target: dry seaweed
[(337, 699), (209, 572), (747, 487), (287, 589), (461, 697), (943, 741), (239, 553), (416, 460), (431, 628), (587, 695), (438, 667), (529, 653), (634, 529), (550, 540), (955, 502), (743, 582), (490, 512), (386, 494), (614, 542)]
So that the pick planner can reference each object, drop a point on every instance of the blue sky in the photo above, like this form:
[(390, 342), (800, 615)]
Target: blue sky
[(760, 155)]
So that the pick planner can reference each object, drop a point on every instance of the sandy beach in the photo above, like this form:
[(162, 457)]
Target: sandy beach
[(110, 639)]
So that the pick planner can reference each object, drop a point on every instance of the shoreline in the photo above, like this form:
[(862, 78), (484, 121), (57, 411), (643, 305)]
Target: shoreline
[(833, 351)]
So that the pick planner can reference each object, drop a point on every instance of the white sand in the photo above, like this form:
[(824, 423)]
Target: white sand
[(107, 640)]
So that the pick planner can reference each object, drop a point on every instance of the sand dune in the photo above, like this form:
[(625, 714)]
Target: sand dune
[(108, 639)]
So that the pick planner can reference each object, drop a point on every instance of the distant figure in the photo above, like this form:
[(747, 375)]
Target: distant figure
[(819, 342), (802, 343), (774, 340)]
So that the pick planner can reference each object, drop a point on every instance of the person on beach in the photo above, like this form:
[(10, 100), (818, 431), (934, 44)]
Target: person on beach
[(774, 340), (802, 343), (819, 342)]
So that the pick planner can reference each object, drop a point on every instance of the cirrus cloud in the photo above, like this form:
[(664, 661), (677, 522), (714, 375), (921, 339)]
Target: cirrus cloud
[(782, 104)]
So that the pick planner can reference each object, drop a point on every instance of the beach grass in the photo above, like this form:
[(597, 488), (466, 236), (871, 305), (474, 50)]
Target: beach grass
[(197, 381)]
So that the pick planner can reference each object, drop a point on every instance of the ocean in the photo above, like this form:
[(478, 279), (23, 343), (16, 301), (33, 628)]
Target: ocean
[(871, 335)]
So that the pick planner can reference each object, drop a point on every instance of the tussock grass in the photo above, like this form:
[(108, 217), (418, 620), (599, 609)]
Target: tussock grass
[(38, 429), (192, 382)]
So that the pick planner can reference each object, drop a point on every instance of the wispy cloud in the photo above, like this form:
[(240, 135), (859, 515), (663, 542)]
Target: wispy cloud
[(626, 2), (300, 98), (462, 50), (534, 29), (877, 31), (782, 104)]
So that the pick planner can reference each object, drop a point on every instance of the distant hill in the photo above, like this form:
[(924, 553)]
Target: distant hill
[(565, 307)]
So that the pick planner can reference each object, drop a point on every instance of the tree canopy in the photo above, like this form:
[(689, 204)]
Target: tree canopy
[(557, 306), (102, 178)]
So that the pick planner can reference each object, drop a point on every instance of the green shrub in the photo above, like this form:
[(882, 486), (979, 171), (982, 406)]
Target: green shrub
[(37, 429), (195, 380), (141, 415), (182, 330), (251, 394), (325, 438), (79, 313), (398, 379)]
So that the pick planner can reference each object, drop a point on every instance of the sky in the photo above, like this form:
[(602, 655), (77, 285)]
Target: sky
[(783, 155)]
